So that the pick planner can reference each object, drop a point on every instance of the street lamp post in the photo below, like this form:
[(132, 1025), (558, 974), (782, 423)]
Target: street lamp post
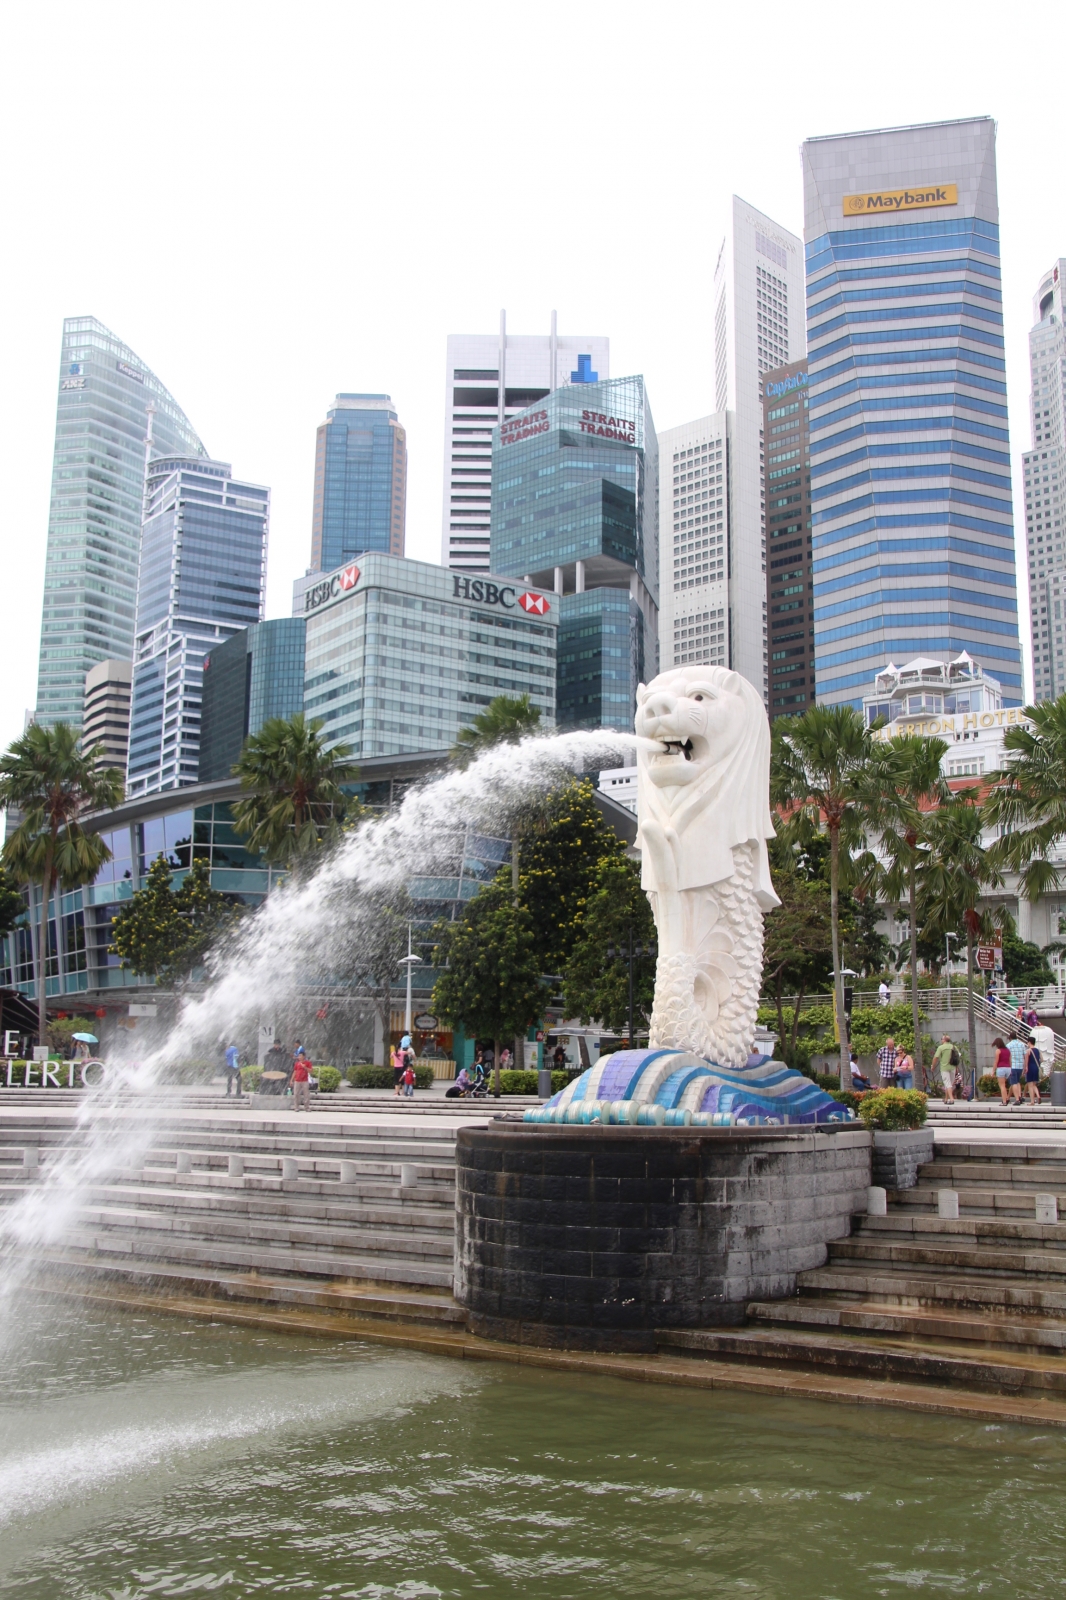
[(948, 937), (409, 961), (629, 953)]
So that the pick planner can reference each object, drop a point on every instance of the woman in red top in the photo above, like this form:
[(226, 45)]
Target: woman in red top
[(1002, 1066), (301, 1082)]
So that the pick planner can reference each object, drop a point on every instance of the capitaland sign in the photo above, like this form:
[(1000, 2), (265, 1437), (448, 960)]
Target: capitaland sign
[(934, 194), (785, 386), (486, 593), (331, 587)]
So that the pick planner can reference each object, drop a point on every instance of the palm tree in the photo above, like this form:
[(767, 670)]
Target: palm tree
[(956, 872), (293, 802), (904, 842), (1027, 802), (53, 785), (829, 774)]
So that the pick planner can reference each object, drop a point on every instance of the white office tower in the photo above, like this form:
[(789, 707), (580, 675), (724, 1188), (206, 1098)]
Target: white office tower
[(1045, 491), (490, 377), (694, 542), (758, 325)]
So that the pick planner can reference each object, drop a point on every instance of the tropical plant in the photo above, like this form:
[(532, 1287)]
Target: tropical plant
[(829, 774), (596, 983), (12, 903), (1026, 804), (293, 801), (894, 1110), (54, 786), (919, 786), (490, 985), (797, 946), (165, 933), (955, 874), (505, 720)]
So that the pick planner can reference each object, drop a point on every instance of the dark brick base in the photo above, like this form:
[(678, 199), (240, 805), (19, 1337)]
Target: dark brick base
[(594, 1237)]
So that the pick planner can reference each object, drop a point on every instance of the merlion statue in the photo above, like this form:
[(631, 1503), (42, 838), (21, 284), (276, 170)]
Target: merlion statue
[(703, 811), (703, 782)]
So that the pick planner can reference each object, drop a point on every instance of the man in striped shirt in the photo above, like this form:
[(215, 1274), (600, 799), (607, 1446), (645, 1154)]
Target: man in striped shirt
[(886, 1063)]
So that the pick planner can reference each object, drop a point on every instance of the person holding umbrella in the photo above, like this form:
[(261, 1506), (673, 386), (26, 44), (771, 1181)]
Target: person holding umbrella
[(82, 1041)]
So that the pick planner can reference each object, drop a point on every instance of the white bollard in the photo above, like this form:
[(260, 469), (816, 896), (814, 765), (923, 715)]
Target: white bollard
[(290, 1168), (31, 1159), (947, 1203), (876, 1201), (1047, 1208), (349, 1172), (184, 1162), (236, 1166), (408, 1174)]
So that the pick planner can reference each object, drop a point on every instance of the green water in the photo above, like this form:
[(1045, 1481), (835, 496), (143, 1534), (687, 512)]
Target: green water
[(144, 1457)]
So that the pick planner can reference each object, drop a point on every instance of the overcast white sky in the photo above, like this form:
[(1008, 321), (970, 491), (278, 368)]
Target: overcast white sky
[(272, 203)]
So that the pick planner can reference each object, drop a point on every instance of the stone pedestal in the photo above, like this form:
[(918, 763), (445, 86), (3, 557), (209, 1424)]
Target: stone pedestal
[(593, 1237)]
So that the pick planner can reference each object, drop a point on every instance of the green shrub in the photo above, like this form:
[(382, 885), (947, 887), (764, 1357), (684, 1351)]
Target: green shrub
[(328, 1079), (846, 1097), (893, 1110), (519, 1081), (988, 1084), (827, 1081), (370, 1077), (251, 1078)]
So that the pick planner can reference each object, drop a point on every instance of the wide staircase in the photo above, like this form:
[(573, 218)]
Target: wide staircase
[(280, 1211), (917, 1297)]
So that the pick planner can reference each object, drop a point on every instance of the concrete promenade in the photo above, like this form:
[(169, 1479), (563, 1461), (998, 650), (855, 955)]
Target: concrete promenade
[(341, 1222)]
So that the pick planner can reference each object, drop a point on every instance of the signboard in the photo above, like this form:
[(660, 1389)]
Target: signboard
[(330, 588), (785, 386), (486, 593), (985, 957), (425, 1021), (143, 1011), (934, 194), (524, 427), (608, 427)]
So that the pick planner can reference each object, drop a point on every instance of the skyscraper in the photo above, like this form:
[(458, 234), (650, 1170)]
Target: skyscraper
[(758, 324), (202, 578), (94, 517), (105, 723), (360, 481), (1045, 488), (492, 377), (576, 511), (694, 608), (910, 455), (789, 580), (253, 676)]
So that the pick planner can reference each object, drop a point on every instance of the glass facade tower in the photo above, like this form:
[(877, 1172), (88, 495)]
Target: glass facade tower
[(202, 578), (1044, 468), (360, 482), (913, 536), (94, 517), (575, 509)]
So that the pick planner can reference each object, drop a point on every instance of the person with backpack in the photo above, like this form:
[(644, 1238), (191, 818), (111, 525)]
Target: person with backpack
[(946, 1061)]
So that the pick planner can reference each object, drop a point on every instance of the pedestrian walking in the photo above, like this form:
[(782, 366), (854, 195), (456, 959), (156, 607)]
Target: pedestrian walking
[(301, 1081), (886, 1063), (904, 1069), (884, 994), (946, 1061), (1016, 1051), (409, 1079), (399, 1064), (1032, 1074), (233, 1071), (1002, 1067)]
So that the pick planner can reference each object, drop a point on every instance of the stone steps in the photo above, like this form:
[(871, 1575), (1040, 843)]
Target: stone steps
[(883, 1358), (993, 1328)]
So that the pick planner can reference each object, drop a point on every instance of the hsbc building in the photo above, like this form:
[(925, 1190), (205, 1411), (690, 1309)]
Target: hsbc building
[(401, 654)]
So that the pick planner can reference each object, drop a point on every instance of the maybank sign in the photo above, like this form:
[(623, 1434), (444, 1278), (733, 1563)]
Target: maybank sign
[(935, 194)]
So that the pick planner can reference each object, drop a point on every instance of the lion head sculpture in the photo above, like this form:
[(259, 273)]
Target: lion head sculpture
[(703, 779)]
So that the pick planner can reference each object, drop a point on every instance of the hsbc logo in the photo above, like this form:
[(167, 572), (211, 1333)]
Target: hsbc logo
[(330, 588), (537, 603)]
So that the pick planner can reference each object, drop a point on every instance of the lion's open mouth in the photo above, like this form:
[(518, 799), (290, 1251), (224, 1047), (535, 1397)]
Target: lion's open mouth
[(675, 747)]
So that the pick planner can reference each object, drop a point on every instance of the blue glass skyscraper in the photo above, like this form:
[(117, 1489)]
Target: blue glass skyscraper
[(913, 536), (360, 482), (575, 509), (202, 578), (94, 519)]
